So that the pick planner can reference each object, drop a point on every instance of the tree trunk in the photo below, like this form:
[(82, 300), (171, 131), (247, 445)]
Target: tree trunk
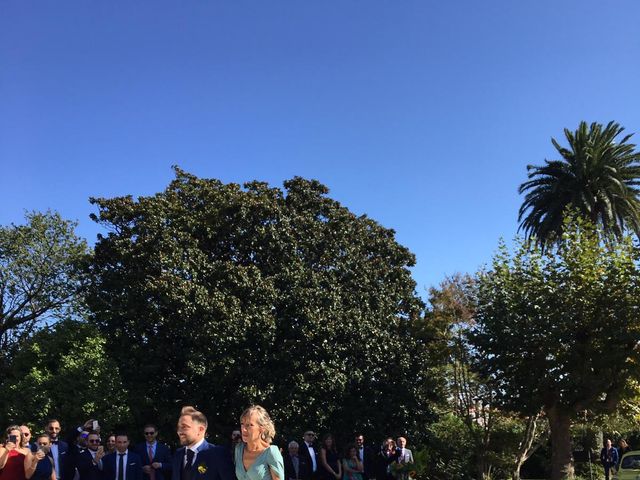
[(483, 469), (531, 441), (515, 473), (561, 457)]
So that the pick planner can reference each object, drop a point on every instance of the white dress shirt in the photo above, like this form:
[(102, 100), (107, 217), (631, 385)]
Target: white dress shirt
[(312, 454), (124, 460)]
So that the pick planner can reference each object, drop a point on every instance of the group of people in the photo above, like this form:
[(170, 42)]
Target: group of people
[(610, 456), (310, 461), (251, 455)]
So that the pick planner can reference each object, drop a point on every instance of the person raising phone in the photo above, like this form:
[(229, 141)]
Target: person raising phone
[(43, 469), (14, 459)]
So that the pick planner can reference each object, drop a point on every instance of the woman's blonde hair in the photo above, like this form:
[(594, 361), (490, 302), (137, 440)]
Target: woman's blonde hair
[(263, 419)]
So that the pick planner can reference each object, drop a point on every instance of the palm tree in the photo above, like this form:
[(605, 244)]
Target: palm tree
[(597, 177)]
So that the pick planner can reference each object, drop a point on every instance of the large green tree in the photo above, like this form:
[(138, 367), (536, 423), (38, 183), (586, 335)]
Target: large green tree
[(63, 371), (222, 295), (598, 176), (497, 440), (40, 276), (560, 330)]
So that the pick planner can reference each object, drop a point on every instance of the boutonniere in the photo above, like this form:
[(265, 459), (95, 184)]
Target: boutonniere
[(202, 469)]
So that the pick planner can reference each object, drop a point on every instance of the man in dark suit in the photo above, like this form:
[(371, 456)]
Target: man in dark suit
[(309, 453), (86, 463), (295, 467), (156, 456), (123, 464), (197, 459), (367, 457), (59, 448)]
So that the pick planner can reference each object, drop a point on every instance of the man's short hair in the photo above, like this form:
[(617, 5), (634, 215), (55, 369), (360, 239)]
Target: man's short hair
[(195, 415), (150, 425), (293, 443), (43, 435)]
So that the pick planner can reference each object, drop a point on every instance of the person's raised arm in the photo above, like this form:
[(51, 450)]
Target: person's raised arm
[(4, 455), (31, 462)]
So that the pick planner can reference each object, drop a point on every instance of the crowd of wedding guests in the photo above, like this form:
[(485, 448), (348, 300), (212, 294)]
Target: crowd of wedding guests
[(87, 454)]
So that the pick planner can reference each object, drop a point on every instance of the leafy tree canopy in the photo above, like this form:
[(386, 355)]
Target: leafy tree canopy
[(560, 330), (64, 372), (40, 274), (221, 296)]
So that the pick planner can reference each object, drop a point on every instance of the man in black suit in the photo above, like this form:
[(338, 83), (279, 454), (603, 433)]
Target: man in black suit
[(86, 462), (156, 456), (197, 459), (367, 457), (309, 453), (295, 467), (123, 464)]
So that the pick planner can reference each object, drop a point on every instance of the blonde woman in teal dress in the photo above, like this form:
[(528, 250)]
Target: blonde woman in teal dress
[(255, 457)]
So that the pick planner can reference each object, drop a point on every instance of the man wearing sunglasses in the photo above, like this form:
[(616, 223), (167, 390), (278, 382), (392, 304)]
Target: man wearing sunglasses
[(156, 456), (26, 436), (307, 451), (87, 460)]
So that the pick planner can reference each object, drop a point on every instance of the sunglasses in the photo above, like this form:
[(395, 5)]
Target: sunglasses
[(149, 433), (94, 441)]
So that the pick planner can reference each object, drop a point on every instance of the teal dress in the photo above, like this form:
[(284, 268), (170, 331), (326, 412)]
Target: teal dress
[(350, 476), (270, 458)]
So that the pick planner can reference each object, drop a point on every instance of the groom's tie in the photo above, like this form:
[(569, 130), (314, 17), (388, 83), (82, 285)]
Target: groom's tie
[(186, 469)]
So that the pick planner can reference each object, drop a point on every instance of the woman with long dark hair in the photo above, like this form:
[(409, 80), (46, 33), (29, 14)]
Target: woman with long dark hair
[(330, 468)]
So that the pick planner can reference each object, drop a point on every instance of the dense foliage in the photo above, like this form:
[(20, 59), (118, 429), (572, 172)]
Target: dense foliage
[(222, 296), (496, 440), (40, 275), (560, 331), (64, 372)]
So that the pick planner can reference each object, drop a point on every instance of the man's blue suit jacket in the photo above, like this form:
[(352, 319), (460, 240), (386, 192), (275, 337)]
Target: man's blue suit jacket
[(133, 467), (63, 449), (162, 455), (211, 463)]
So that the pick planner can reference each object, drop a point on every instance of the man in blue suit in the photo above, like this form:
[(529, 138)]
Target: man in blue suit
[(59, 448), (123, 464), (197, 459), (156, 457)]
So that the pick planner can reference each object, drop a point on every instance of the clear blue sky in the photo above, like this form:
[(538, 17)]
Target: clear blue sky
[(421, 114)]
